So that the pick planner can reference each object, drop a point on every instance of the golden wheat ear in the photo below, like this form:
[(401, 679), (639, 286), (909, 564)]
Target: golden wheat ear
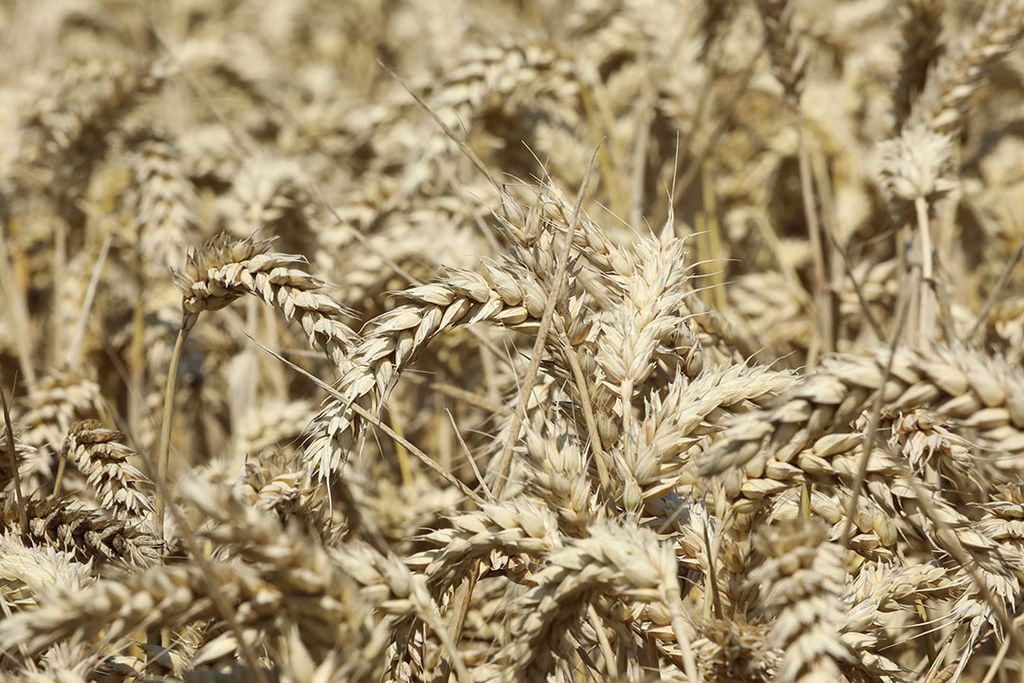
[(745, 400)]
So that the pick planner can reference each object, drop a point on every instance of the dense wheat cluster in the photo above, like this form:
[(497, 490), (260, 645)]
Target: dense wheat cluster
[(512, 340)]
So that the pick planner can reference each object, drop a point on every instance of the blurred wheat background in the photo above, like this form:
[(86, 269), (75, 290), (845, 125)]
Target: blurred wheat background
[(512, 340)]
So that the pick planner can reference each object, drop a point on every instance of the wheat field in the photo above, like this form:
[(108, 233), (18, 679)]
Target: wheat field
[(512, 340)]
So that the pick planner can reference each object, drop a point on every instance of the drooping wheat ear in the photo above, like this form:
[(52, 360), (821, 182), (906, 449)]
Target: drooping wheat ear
[(487, 78), (942, 106), (655, 450), (627, 562), (831, 463), (879, 592), (501, 74), (234, 64), (890, 586), (164, 208), (783, 43), (419, 239), (84, 531), (920, 32), (802, 581), (506, 293), (509, 529), (121, 489), (986, 394), (225, 269)]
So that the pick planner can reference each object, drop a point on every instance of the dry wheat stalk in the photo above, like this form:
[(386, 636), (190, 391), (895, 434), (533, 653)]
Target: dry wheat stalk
[(269, 195)]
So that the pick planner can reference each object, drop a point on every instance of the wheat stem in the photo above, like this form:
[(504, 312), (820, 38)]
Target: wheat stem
[(822, 281), (505, 459), (9, 429), (926, 323), (163, 450)]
